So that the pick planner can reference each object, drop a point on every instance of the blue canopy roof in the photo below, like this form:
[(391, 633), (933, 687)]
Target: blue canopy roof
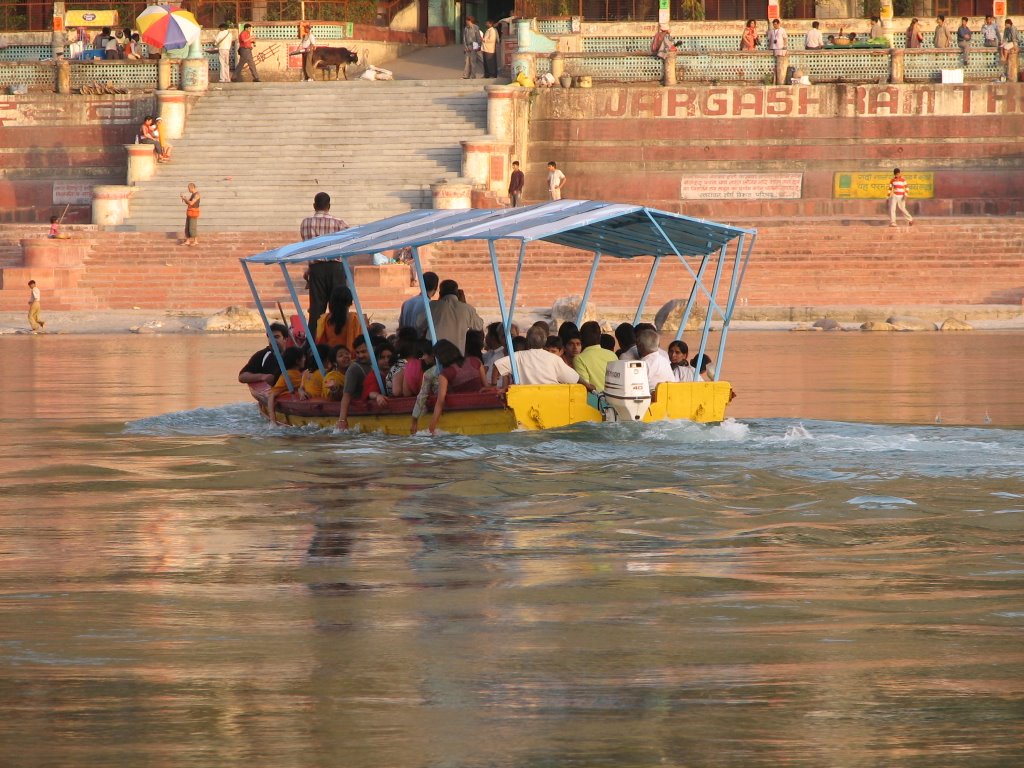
[(613, 229)]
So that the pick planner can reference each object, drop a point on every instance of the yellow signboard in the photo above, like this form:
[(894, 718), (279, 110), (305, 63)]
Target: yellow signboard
[(90, 19), (875, 186)]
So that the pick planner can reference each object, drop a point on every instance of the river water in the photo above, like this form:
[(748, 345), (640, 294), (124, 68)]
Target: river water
[(833, 577)]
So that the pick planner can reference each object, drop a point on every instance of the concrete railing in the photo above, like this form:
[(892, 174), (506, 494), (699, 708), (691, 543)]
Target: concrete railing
[(895, 65)]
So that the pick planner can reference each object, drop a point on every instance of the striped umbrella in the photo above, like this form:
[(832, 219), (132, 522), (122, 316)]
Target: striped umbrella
[(167, 26)]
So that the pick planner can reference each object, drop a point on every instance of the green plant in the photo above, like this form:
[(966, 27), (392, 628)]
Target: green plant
[(692, 9)]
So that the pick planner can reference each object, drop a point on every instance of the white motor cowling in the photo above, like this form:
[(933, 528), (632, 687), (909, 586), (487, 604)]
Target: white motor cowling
[(626, 390)]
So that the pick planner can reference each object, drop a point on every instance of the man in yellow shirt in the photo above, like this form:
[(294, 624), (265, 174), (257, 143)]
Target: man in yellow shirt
[(592, 363)]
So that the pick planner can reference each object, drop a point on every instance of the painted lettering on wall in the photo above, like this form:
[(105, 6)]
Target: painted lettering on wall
[(741, 186), (949, 100), (875, 186), (73, 192)]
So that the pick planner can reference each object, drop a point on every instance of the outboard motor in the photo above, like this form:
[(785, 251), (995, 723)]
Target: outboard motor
[(626, 390)]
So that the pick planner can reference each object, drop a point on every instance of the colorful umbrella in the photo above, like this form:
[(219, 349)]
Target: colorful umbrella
[(168, 26)]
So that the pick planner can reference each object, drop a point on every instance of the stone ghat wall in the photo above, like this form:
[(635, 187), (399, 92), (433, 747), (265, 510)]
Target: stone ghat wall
[(54, 149), (638, 144), (811, 263)]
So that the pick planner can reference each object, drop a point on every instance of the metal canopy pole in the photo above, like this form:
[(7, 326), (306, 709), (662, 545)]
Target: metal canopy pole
[(590, 285), (647, 290), (362, 324), (515, 285), (423, 292), (509, 350), (707, 319), (266, 324), (698, 281), (730, 306), (302, 319)]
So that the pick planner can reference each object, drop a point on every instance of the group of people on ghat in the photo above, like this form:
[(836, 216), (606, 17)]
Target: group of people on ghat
[(467, 357)]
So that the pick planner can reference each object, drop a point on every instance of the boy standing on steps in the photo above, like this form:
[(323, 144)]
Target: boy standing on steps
[(898, 190), (33, 308)]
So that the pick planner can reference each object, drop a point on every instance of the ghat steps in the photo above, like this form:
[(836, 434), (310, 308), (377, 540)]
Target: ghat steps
[(259, 154), (806, 263)]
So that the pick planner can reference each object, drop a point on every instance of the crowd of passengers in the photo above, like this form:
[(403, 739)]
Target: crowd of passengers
[(468, 357)]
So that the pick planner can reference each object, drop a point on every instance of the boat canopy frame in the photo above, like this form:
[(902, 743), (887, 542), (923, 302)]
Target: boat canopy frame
[(615, 230)]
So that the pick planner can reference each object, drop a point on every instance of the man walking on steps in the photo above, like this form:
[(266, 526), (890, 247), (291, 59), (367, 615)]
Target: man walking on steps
[(898, 190), (246, 41), (516, 184), (472, 45), (322, 277)]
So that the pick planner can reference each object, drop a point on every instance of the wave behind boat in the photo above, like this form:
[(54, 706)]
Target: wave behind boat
[(814, 448)]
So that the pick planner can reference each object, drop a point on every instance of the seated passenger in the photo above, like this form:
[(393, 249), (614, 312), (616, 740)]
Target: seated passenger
[(535, 365), (334, 381), (371, 389), (355, 378), (428, 386), (294, 362), (701, 372), (572, 345), (626, 337), (339, 326), (677, 353), (415, 367), (405, 351), (554, 345), (592, 362), (262, 367), (312, 379), (458, 374), (658, 367), (608, 342)]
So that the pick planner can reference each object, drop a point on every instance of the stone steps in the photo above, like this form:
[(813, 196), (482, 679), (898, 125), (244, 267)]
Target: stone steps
[(810, 263), (375, 150)]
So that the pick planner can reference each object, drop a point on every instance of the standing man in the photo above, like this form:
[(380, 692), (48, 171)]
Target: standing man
[(33, 308), (556, 180), (413, 314), (778, 40), (516, 184), (990, 33), (942, 38), (246, 41), (306, 47), (1011, 42), (472, 42), (322, 277), (223, 41), (452, 317), (898, 190), (490, 50)]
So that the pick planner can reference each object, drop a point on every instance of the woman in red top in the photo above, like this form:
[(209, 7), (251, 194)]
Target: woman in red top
[(458, 374)]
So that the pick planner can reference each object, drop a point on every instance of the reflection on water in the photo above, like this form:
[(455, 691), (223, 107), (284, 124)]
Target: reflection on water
[(198, 587)]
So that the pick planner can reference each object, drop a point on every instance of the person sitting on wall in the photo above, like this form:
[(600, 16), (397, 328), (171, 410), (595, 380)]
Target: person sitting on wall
[(662, 42)]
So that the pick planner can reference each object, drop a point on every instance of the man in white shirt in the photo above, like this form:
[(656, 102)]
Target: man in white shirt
[(556, 180), (813, 40), (778, 40), (648, 345), (223, 41), (536, 365)]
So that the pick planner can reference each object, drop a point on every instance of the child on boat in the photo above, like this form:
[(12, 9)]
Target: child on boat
[(334, 381), (294, 362), (312, 379)]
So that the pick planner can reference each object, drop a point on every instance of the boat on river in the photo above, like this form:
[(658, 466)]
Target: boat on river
[(714, 257)]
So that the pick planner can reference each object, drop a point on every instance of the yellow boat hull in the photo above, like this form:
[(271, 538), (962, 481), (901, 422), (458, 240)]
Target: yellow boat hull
[(539, 407)]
